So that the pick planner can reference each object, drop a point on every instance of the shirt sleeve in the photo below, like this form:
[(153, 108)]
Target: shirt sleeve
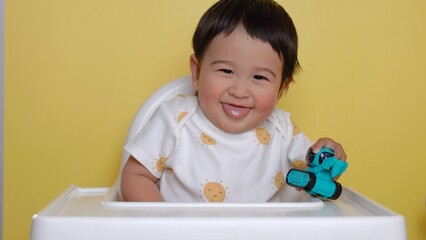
[(298, 142), (299, 146), (156, 142)]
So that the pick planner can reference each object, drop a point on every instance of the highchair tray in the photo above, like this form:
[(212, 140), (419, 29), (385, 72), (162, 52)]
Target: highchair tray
[(93, 213), (302, 202)]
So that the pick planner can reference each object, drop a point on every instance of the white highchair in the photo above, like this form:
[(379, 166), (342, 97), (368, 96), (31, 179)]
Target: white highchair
[(100, 213), (179, 86)]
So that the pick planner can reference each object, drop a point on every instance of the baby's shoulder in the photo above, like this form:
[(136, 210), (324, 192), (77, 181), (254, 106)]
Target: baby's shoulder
[(282, 121), (181, 102), (181, 107), (281, 117)]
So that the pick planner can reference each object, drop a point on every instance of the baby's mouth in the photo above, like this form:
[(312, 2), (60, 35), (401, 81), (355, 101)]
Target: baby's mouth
[(235, 111)]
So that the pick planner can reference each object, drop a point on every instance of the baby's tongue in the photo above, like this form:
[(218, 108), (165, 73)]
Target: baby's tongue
[(235, 111)]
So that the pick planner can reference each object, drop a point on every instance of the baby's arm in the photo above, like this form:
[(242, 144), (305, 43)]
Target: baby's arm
[(138, 184)]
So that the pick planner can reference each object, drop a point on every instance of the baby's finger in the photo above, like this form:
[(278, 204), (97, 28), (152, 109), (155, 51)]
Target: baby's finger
[(339, 153), (323, 142), (329, 143)]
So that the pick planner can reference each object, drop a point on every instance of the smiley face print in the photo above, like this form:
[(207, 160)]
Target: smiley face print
[(181, 115), (279, 180), (299, 164), (160, 164), (207, 140), (263, 136), (214, 192)]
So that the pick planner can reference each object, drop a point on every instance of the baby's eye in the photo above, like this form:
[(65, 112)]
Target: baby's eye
[(226, 71), (259, 77)]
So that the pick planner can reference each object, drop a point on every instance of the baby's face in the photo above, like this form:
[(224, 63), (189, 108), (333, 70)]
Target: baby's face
[(238, 81)]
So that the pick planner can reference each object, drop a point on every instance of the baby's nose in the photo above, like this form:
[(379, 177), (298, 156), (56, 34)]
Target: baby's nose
[(240, 88)]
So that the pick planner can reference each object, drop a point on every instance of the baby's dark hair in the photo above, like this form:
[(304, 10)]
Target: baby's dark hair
[(265, 20)]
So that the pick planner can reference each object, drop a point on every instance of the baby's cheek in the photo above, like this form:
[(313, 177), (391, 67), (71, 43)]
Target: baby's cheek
[(265, 106)]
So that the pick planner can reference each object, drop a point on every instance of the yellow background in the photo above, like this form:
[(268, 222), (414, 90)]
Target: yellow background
[(77, 71)]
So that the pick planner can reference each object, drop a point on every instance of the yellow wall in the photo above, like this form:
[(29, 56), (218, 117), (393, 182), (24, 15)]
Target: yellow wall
[(76, 72)]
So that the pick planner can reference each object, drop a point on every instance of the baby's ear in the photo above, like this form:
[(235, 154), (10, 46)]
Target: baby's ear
[(286, 84), (195, 71), (284, 88)]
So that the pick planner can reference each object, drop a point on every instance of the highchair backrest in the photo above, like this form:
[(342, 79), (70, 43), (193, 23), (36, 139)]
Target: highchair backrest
[(178, 86)]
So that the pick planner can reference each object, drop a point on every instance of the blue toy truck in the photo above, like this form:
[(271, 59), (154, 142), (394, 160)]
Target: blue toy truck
[(318, 178)]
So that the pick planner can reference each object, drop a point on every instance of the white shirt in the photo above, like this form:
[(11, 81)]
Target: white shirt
[(196, 161)]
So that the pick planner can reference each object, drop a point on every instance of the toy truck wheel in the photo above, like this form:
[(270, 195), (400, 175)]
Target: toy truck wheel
[(302, 179), (337, 192)]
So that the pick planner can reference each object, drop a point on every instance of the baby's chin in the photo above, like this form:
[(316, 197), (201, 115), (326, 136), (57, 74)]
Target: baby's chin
[(236, 126)]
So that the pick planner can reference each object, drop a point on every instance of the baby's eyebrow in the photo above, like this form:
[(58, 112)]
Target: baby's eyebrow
[(267, 70), (221, 61)]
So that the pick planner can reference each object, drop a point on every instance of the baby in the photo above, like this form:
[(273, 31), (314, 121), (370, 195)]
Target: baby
[(229, 143)]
